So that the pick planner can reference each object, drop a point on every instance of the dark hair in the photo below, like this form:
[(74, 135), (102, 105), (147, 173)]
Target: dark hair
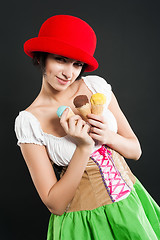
[(39, 60)]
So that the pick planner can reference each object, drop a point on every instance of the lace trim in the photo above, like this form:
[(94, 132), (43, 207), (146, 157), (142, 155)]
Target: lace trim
[(116, 186)]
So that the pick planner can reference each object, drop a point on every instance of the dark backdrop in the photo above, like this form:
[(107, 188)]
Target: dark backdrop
[(128, 54)]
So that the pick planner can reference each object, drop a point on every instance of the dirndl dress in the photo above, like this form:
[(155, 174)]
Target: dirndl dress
[(110, 203)]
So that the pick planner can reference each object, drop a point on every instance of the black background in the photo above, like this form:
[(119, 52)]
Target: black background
[(128, 55)]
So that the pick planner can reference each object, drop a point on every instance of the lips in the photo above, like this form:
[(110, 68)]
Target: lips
[(62, 81)]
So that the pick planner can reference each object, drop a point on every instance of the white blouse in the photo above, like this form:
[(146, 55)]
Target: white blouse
[(61, 149)]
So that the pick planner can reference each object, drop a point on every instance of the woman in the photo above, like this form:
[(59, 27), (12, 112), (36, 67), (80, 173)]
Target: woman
[(97, 196)]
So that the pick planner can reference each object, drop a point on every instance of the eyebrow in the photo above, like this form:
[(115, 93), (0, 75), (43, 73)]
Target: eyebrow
[(70, 58), (63, 56)]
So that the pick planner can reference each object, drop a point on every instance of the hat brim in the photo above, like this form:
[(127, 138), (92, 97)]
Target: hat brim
[(52, 45)]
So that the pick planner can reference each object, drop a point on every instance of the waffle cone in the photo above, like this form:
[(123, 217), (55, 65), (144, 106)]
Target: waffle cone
[(84, 110), (97, 109), (70, 114)]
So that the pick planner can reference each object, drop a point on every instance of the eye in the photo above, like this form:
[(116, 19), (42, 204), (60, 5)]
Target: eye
[(79, 64), (60, 59)]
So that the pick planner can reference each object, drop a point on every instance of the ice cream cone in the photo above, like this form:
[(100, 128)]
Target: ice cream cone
[(97, 109), (98, 101), (61, 109), (85, 110), (81, 102), (70, 113)]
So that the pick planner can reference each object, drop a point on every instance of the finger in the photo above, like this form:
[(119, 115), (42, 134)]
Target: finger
[(72, 122), (63, 120), (86, 128), (75, 117), (96, 130), (79, 125), (89, 127), (95, 136), (81, 122), (64, 114), (99, 118), (96, 123)]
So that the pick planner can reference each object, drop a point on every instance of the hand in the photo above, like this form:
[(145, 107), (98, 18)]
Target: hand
[(77, 128), (99, 129)]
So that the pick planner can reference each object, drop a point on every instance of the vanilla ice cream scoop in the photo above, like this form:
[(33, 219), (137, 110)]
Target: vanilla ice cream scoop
[(98, 101)]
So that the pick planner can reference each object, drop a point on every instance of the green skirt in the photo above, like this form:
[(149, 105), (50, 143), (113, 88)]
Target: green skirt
[(136, 217)]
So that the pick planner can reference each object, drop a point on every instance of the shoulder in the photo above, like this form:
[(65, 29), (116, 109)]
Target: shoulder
[(25, 118), (98, 84), (95, 79), (27, 129)]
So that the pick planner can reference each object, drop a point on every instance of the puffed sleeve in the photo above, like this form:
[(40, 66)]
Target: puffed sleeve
[(99, 84), (27, 129)]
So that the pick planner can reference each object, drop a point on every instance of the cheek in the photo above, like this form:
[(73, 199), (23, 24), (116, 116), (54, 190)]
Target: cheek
[(51, 69), (77, 72)]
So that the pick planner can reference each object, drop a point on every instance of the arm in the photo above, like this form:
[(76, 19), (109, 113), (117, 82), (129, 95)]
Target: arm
[(124, 141), (57, 195)]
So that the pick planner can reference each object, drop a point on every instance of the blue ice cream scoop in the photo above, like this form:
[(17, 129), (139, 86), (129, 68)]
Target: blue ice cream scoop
[(60, 110)]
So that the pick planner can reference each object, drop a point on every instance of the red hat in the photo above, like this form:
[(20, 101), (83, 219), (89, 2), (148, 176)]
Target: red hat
[(67, 36)]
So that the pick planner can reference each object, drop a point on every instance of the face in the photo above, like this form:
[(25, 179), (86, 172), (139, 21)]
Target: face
[(61, 71)]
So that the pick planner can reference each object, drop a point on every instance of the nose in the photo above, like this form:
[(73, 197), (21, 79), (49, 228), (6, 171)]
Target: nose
[(68, 71)]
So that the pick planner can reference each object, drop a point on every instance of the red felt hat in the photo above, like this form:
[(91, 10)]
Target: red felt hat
[(67, 36)]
